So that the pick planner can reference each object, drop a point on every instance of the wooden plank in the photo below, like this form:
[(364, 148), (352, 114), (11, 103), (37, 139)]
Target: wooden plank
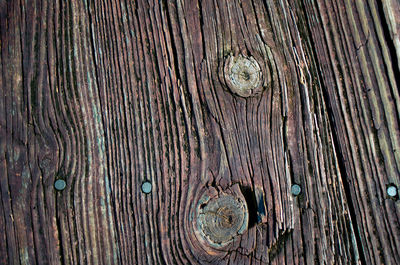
[(222, 106), (355, 44)]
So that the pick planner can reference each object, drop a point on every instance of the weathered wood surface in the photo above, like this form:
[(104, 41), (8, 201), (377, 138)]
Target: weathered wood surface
[(206, 100)]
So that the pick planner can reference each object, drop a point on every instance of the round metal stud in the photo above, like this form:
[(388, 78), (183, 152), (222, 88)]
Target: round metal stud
[(391, 191), (146, 187), (60, 184), (296, 189)]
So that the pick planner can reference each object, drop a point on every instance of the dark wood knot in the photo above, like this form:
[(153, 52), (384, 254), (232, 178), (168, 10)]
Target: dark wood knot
[(222, 218), (243, 75)]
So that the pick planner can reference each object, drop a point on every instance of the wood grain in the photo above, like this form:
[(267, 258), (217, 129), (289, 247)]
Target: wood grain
[(200, 98), (356, 52)]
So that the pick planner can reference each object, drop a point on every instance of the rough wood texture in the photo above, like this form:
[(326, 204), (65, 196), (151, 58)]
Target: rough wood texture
[(206, 100), (358, 63)]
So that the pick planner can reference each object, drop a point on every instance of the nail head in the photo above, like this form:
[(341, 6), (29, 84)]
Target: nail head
[(60, 184), (146, 187), (391, 191), (296, 189)]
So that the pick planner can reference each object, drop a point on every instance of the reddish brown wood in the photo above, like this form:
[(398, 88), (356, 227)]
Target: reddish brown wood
[(206, 100)]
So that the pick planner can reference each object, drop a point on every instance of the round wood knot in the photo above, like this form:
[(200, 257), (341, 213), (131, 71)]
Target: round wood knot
[(243, 76), (222, 218)]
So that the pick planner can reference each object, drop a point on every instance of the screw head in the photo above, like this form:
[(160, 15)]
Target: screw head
[(296, 189), (60, 184), (146, 187), (391, 191)]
